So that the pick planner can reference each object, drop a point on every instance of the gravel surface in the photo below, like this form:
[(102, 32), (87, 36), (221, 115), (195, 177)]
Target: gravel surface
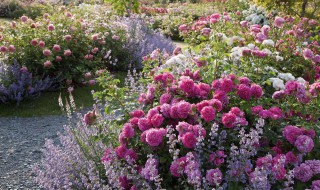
[(21, 141)]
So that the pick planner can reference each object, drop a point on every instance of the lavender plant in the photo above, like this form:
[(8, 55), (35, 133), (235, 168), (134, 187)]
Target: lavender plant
[(142, 40), (75, 162), (17, 83)]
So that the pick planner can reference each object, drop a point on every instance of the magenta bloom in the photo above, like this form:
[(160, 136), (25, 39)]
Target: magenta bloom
[(51, 27), (157, 120), (165, 98), (279, 94), (121, 151), (186, 84), (107, 155), (205, 31), (137, 113), (92, 82), (177, 167), (134, 121), (202, 104), (67, 37), (222, 96), (229, 120), (95, 37), (226, 85), (183, 28), (237, 111), (144, 124), (275, 113), (314, 165), (89, 117), (152, 112), (47, 64), (303, 172), (291, 133), (244, 92), (67, 52), (279, 172), (42, 44), (244, 23), (214, 176), (154, 136), (278, 22), (3, 49), (56, 48), (290, 87), (291, 158), (128, 130), (184, 108), (189, 140), (256, 109), (244, 80), (34, 42), (307, 54), (256, 90), (11, 48), (208, 113), (304, 144), (46, 52), (24, 19), (216, 104), (315, 185)]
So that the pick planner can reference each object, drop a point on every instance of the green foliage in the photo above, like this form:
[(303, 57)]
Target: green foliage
[(302, 8), (15, 9), (47, 104), (81, 45), (125, 6)]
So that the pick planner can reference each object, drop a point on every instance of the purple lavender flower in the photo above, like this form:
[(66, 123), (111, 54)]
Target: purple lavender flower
[(150, 171)]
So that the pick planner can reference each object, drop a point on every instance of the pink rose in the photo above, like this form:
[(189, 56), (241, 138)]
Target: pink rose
[(67, 52), (47, 64)]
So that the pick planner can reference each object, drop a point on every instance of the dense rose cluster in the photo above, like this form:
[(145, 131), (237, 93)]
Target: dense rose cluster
[(178, 102)]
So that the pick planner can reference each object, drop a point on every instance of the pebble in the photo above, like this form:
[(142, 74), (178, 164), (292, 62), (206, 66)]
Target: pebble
[(21, 141)]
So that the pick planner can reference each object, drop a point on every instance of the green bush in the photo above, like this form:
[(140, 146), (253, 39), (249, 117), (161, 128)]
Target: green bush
[(301, 8), (7, 7), (93, 44)]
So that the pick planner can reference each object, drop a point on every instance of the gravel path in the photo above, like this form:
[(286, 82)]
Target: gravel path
[(21, 140)]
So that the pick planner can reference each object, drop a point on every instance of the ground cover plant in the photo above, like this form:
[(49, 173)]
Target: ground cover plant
[(238, 109)]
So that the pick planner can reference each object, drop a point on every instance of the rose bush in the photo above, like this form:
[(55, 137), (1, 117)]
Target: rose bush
[(226, 114)]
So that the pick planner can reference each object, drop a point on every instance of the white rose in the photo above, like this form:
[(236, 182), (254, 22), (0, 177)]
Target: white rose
[(277, 83)]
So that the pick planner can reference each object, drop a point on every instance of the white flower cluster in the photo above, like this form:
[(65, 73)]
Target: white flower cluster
[(256, 15), (268, 42), (278, 83), (231, 40), (178, 64)]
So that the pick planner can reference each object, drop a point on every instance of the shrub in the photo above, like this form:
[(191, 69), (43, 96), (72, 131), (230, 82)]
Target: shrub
[(75, 163), (17, 84), (7, 7), (142, 40), (193, 133), (63, 44)]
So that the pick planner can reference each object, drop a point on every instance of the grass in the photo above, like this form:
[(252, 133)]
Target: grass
[(47, 103), (183, 45)]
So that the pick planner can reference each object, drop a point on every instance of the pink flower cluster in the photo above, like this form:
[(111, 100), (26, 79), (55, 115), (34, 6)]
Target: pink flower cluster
[(233, 118), (188, 134), (299, 137), (297, 89), (307, 170), (217, 158), (5, 49), (274, 113)]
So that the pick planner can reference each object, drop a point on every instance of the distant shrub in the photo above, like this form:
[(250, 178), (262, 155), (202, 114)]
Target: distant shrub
[(17, 84)]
